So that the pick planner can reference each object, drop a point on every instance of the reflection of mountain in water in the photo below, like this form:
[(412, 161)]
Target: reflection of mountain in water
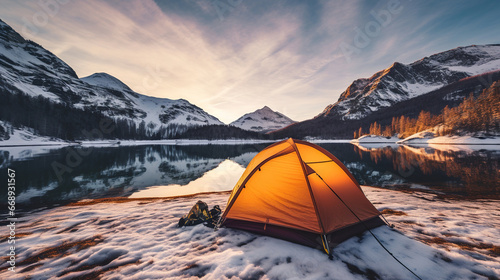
[(244, 159), (112, 171), (465, 171), (120, 171), (366, 170)]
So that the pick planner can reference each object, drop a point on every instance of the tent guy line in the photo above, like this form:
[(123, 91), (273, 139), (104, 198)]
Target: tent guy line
[(369, 230), (285, 200)]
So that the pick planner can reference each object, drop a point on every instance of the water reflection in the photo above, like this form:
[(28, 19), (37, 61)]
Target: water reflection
[(453, 170), (111, 171), (135, 170), (221, 178)]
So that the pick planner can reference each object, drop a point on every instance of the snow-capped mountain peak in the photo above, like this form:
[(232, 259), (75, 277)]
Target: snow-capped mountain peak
[(105, 80), (28, 69), (262, 120), (401, 82)]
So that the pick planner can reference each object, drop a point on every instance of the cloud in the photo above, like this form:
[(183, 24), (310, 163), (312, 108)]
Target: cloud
[(283, 54)]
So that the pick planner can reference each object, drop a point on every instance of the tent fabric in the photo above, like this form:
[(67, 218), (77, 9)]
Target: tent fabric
[(298, 191)]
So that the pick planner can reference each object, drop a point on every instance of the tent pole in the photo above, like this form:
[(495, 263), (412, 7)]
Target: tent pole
[(326, 246)]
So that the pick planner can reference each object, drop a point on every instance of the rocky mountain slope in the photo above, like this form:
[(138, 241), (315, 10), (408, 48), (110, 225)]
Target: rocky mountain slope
[(429, 84), (402, 82)]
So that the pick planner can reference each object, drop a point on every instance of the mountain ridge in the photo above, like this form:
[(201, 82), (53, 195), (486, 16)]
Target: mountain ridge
[(262, 120), (105, 80), (466, 70), (401, 82), (29, 69)]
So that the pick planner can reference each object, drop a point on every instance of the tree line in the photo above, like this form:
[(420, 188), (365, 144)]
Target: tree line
[(472, 115), (61, 120)]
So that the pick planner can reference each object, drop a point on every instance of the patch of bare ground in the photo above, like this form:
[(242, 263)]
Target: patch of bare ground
[(492, 249), (141, 200), (62, 250), (389, 211), (18, 235)]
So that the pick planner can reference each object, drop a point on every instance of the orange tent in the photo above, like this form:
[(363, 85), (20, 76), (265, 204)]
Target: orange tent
[(298, 191)]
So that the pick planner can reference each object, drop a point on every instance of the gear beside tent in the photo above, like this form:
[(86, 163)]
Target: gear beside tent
[(199, 214), (298, 191)]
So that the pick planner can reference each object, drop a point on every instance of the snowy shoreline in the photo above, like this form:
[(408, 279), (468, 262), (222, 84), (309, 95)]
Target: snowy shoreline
[(424, 138), (430, 138), (140, 239), (419, 139), (97, 143), (47, 142)]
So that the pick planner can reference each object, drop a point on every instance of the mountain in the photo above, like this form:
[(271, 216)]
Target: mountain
[(429, 84), (402, 82), (159, 111), (31, 75), (262, 120), (106, 81)]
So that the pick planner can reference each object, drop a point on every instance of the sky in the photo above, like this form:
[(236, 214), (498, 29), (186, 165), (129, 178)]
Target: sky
[(231, 57)]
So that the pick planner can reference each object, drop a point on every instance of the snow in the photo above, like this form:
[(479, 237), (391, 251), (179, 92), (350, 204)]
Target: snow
[(139, 239), (417, 89), (105, 80), (176, 142), (263, 120), (429, 137), (25, 137), (35, 72), (315, 140), (387, 87), (35, 91), (375, 139), (488, 60), (477, 68), (189, 114)]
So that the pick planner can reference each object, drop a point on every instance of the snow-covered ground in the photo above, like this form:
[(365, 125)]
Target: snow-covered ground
[(429, 137), (195, 142), (25, 137), (375, 139), (316, 140), (139, 239)]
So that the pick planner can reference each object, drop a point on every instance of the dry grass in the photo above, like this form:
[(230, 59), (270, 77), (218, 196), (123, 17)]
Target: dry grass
[(492, 249), (141, 200), (388, 211), (62, 250), (18, 235)]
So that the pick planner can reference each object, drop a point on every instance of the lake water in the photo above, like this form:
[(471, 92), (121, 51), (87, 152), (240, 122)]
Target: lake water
[(48, 176)]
